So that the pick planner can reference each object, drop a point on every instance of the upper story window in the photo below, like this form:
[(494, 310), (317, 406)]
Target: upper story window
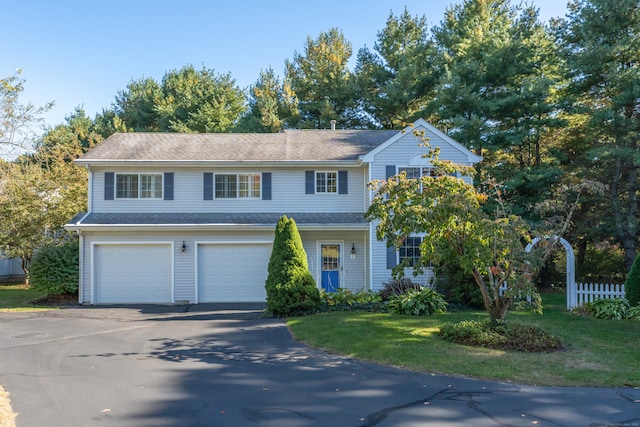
[(417, 172), (233, 186), (139, 186), (327, 182)]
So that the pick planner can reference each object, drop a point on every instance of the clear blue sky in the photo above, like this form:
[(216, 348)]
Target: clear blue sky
[(81, 53)]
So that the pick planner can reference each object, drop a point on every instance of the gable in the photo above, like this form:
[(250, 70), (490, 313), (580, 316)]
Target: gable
[(405, 148)]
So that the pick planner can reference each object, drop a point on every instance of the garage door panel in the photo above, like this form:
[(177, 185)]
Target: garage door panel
[(232, 272), (132, 273)]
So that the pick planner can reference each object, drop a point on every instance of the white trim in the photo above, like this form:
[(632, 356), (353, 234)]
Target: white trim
[(225, 241), (218, 163), (169, 243), (341, 249), (81, 268), (89, 191), (206, 227)]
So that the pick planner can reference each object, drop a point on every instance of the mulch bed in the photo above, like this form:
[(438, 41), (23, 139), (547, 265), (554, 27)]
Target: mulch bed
[(57, 300)]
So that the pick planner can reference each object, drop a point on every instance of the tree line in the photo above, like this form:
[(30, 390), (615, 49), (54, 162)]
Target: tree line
[(554, 109)]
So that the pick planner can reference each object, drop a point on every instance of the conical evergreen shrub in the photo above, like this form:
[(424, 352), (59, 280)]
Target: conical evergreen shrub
[(632, 284), (291, 289)]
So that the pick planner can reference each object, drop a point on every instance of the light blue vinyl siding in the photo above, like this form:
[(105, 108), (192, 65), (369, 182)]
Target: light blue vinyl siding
[(287, 194), (403, 152)]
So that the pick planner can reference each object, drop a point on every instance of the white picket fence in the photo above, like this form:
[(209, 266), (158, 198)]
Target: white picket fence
[(582, 293), (587, 292)]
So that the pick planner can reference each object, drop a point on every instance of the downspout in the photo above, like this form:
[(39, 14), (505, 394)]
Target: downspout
[(81, 267), (89, 190), (368, 239), (81, 236)]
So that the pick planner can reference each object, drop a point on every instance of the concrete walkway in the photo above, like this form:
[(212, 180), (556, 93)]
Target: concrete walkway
[(221, 365)]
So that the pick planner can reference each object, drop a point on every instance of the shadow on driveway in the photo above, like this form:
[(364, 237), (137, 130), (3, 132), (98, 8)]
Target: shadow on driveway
[(224, 365)]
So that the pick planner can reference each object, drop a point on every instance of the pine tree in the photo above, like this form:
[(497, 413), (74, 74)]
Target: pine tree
[(600, 41), (322, 82), (291, 289)]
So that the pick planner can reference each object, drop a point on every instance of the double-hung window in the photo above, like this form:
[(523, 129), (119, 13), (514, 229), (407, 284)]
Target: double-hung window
[(139, 186), (234, 186), (327, 182), (410, 250), (417, 172)]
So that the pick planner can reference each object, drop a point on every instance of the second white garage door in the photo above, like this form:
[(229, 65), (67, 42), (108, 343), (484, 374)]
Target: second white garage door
[(233, 272)]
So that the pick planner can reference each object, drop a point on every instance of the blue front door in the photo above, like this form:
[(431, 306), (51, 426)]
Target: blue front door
[(330, 267)]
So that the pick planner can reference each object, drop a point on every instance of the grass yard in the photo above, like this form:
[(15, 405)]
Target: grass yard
[(20, 297), (598, 352)]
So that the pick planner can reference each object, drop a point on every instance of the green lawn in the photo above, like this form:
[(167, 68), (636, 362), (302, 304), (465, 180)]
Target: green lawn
[(598, 353), (19, 297)]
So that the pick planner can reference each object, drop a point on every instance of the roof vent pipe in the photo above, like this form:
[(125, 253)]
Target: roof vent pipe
[(333, 124)]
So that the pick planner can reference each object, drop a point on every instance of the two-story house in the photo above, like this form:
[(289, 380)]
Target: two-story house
[(190, 218)]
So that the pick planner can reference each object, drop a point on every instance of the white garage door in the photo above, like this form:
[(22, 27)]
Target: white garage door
[(125, 274), (232, 272)]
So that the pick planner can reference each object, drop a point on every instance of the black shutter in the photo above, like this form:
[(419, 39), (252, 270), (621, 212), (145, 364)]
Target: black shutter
[(208, 186), (310, 182), (266, 185), (343, 183), (392, 258), (390, 171), (168, 185), (109, 185)]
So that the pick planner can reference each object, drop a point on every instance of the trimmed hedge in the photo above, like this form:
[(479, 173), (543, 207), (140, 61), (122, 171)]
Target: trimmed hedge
[(291, 289)]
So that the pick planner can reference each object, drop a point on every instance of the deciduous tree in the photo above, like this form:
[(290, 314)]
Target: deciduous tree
[(17, 120), (447, 212), (42, 191)]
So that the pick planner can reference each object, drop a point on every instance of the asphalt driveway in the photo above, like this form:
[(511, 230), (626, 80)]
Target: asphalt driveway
[(213, 365)]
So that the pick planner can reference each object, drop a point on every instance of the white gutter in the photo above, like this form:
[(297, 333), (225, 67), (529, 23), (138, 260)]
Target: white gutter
[(218, 163), (370, 225), (78, 226)]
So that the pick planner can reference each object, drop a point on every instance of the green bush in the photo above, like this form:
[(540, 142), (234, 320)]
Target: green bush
[(632, 284), (613, 309), (291, 289), (502, 336), (459, 288), (634, 313), (297, 297), (347, 300), (421, 302), (55, 269)]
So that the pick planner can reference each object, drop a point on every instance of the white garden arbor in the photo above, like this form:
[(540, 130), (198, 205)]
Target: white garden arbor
[(572, 297)]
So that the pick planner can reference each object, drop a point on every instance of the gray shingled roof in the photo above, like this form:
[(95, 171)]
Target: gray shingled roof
[(261, 219), (289, 145)]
